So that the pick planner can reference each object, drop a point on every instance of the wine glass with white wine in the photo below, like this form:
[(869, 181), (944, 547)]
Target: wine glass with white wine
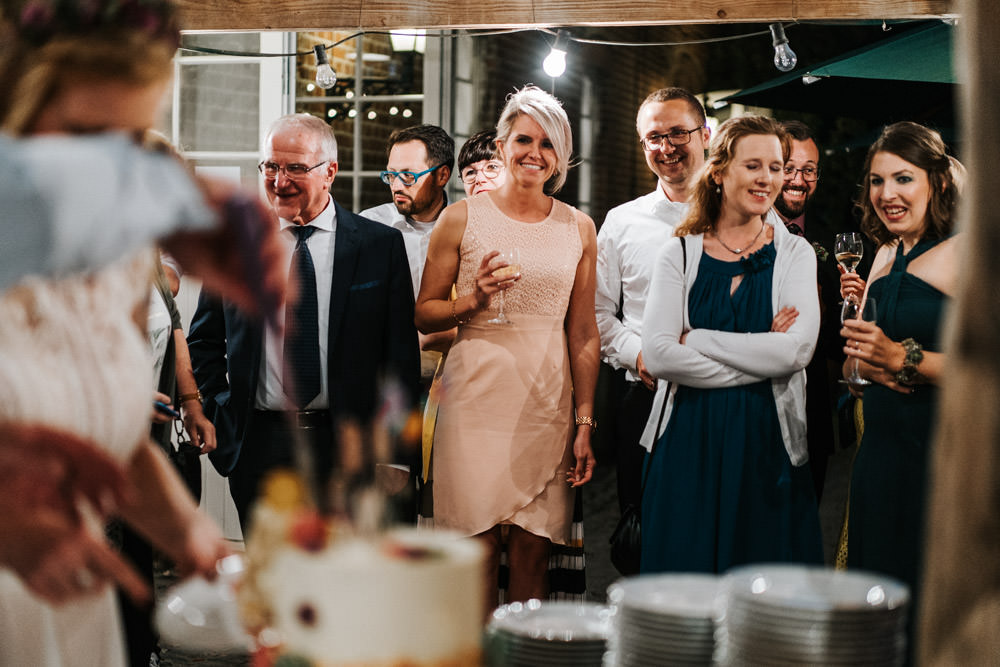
[(513, 259), (849, 249), (853, 309)]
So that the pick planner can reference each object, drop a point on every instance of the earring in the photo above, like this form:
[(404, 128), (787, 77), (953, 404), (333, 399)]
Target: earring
[(718, 189)]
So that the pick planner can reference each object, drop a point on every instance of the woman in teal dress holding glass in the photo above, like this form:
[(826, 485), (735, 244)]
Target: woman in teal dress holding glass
[(911, 187), (730, 323)]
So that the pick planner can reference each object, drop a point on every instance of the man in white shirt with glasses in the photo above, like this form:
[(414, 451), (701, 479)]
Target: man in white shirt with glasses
[(419, 163), (673, 135), (418, 167)]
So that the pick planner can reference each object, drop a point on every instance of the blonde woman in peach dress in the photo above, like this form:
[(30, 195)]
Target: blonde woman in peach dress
[(513, 432)]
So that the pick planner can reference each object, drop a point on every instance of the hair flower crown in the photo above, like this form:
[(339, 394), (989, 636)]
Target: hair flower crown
[(41, 20)]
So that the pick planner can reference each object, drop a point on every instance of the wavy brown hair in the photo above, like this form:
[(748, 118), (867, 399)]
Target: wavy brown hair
[(923, 148), (706, 202)]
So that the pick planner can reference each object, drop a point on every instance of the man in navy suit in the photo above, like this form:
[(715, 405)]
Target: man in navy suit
[(348, 326)]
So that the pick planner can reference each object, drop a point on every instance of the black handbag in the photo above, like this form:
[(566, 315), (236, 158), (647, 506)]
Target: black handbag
[(187, 460), (626, 539)]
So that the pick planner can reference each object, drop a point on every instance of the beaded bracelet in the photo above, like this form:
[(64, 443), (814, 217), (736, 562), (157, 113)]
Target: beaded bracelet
[(455, 316), (192, 396), (914, 355)]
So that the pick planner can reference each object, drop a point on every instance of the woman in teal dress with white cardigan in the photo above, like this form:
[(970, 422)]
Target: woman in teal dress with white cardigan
[(731, 322)]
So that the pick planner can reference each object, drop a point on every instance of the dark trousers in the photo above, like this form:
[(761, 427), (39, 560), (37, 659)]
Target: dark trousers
[(137, 621), (633, 411), (269, 445)]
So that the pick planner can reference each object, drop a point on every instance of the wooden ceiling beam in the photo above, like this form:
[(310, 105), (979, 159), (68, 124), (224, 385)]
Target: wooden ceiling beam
[(485, 14)]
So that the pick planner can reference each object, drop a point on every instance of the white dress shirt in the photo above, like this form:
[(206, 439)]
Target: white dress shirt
[(416, 239), (627, 247), (270, 395), (416, 236), (710, 358)]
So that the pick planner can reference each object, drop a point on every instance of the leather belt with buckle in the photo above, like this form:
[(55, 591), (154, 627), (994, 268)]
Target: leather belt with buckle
[(300, 419)]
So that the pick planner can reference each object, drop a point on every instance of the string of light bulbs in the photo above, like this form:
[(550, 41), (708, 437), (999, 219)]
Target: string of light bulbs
[(554, 64)]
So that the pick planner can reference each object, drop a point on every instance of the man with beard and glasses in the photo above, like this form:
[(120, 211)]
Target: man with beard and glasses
[(673, 135), (418, 167), (801, 177), (420, 160), (419, 163)]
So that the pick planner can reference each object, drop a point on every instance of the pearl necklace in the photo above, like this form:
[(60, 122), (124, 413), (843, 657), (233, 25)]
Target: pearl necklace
[(740, 251)]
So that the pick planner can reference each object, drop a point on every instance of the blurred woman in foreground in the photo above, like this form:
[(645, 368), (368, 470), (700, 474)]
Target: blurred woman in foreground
[(73, 352)]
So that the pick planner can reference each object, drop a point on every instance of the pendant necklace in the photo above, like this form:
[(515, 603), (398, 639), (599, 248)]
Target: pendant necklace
[(740, 251)]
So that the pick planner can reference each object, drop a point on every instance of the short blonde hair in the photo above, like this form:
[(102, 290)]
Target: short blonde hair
[(548, 112)]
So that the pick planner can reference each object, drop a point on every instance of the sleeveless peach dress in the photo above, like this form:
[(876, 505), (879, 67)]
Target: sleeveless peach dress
[(503, 440)]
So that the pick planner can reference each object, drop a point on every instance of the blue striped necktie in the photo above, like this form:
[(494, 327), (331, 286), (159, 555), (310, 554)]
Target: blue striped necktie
[(301, 379)]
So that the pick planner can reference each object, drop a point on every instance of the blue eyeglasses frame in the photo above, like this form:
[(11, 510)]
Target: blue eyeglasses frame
[(408, 177)]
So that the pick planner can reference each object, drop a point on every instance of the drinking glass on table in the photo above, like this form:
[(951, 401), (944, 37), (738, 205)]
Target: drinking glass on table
[(513, 259), (848, 249), (853, 309)]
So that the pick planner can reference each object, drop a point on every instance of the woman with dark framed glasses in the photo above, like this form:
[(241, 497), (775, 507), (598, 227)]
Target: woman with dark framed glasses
[(478, 167)]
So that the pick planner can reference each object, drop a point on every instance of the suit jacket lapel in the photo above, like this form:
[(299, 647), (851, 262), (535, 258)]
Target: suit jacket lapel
[(245, 348), (345, 259)]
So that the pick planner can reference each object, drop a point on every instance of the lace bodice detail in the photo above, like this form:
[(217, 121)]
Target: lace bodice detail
[(550, 251), (72, 356)]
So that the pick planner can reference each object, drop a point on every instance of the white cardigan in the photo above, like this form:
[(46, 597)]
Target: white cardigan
[(710, 358)]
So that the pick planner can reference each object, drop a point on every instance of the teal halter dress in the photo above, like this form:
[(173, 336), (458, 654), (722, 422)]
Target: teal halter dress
[(889, 477)]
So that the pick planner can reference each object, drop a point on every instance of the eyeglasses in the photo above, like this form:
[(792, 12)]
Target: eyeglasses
[(809, 173), (293, 171), (674, 137), (407, 177), (490, 170)]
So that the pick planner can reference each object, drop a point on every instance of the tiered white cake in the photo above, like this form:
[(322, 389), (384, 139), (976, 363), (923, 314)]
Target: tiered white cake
[(405, 598)]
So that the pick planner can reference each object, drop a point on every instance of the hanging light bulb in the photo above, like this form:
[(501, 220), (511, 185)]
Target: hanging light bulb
[(555, 63), (784, 58), (326, 78)]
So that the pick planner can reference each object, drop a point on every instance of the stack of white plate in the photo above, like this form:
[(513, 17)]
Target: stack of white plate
[(548, 633), (663, 620), (795, 614)]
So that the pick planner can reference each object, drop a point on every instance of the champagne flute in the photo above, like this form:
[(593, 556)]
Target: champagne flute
[(513, 259), (848, 249), (853, 309)]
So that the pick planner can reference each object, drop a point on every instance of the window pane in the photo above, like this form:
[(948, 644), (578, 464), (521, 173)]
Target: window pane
[(341, 59), (380, 119), (384, 71), (373, 193), (231, 170), (230, 41), (219, 107)]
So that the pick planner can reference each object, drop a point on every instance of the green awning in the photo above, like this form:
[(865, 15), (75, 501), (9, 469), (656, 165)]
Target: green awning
[(919, 55), (908, 76)]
